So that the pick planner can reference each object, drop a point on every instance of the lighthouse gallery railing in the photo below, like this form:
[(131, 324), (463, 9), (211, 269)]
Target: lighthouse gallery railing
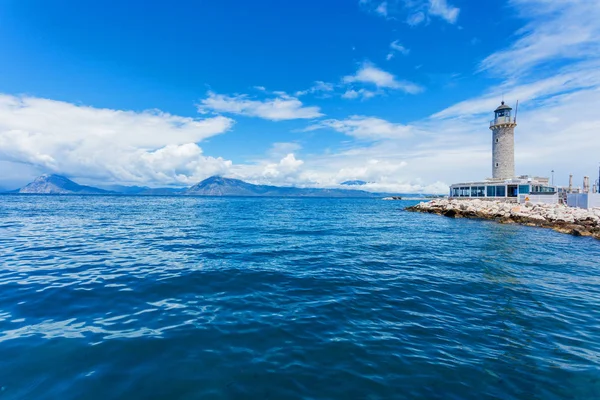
[(502, 120)]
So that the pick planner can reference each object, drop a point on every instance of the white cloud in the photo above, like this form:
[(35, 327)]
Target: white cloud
[(396, 47), (415, 19), (417, 11), (368, 73), (354, 94), (568, 79), (363, 127), (149, 146), (382, 9), (557, 31), (350, 94), (282, 107), (443, 10), (287, 166), (318, 87)]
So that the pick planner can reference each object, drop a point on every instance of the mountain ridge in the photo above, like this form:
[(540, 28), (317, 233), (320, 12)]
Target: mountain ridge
[(214, 186), (220, 186), (57, 184)]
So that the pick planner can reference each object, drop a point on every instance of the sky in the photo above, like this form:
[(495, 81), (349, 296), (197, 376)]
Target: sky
[(312, 93)]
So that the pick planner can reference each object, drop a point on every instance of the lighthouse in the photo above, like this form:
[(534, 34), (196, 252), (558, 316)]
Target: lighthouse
[(503, 143), (504, 184)]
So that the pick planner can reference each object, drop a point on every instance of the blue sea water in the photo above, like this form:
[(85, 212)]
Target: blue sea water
[(107, 297)]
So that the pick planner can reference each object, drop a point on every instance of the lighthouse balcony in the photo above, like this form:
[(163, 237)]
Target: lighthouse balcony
[(502, 121)]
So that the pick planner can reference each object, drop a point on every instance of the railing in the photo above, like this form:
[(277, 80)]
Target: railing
[(502, 120)]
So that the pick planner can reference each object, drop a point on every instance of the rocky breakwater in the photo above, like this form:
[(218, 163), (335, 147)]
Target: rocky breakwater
[(575, 221)]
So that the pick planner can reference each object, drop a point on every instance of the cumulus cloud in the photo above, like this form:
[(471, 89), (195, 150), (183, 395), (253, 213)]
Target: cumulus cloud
[(287, 166), (148, 146), (363, 127), (368, 73), (282, 107)]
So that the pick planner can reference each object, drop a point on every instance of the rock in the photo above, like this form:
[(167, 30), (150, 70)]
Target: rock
[(574, 221), (450, 213)]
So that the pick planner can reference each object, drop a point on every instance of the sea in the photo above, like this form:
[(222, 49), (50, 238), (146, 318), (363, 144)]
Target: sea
[(122, 297)]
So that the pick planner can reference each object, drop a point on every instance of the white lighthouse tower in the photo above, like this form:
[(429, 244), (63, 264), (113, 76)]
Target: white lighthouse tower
[(503, 143)]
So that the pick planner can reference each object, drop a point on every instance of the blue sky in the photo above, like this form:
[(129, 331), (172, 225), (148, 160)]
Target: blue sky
[(397, 93)]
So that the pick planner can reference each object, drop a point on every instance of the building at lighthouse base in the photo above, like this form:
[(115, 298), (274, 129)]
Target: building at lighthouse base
[(521, 189)]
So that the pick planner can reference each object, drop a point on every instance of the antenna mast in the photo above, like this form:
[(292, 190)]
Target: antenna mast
[(516, 111)]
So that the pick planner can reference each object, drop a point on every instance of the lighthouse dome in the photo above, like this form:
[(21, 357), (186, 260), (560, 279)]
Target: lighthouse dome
[(503, 107)]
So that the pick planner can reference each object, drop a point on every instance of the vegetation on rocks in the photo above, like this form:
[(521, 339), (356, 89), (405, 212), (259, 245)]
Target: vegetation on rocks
[(574, 221)]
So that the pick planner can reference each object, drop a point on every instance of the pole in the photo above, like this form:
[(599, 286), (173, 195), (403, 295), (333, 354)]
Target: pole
[(552, 177), (571, 183)]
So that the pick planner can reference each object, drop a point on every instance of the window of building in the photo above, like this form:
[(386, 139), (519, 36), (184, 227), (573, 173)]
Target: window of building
[(524, 189), (491, 191), (454, 192), (496, 140), (481, 191), (544, 189), (500, 191), (473, 191), (497, 164)]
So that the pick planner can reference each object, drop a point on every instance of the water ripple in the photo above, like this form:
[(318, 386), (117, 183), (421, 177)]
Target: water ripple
[(169, 297)]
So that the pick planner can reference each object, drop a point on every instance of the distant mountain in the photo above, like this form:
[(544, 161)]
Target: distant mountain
[(213, 186), (56, 184), (353, 183), (218, 186)]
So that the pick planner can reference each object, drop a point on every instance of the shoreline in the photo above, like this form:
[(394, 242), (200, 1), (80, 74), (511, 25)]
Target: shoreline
[(560, 218)]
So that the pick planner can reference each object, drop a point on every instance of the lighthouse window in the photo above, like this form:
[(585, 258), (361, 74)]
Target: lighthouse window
[(497, 164), (496, 140)]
